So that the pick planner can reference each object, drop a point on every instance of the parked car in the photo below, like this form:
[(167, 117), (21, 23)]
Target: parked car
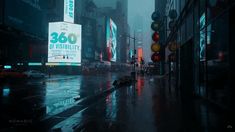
[(11, 74), (34, 74)]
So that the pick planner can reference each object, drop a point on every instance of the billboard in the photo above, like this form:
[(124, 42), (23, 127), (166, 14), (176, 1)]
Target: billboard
[(69, 11), (202, 37), (140, 54), (111, 40), (205, 37), (64, 42)]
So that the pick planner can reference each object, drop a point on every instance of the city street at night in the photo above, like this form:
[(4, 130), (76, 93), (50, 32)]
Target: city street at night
[(117, 66)]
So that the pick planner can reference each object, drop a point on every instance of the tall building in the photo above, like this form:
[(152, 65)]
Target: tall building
[(139, 34), (200, 48), (87, 16), (117, 11), (23, 25)]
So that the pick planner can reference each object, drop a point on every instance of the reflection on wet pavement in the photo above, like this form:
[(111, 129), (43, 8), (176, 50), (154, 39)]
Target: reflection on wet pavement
[(44, 98), (146, 106)]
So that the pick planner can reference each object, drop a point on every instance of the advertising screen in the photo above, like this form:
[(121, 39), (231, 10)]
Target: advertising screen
[(202, 37), (111, 40), (140, 54), (69, 11), (205, 36), (64, 42)]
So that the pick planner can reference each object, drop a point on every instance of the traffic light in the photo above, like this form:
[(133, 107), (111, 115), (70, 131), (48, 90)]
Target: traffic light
[(156, 57), (155, 37), (156, 16), (155, 26), (155, 47)]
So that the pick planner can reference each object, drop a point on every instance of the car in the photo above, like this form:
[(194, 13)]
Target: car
[(12, 74), (34, 74)]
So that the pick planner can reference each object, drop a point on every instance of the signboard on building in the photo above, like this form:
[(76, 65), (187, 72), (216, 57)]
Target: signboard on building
[(69, 11), (202, 53), (64, 42), (111, 40), (140, 54)]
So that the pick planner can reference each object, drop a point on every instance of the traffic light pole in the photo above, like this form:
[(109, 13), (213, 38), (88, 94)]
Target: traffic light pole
[(134, 55)]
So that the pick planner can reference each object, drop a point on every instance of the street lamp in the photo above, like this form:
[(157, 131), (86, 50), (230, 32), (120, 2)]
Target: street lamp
[(133, 73)]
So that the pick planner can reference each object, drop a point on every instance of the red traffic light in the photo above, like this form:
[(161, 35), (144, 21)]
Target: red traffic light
[(155, 36), (156, 57)]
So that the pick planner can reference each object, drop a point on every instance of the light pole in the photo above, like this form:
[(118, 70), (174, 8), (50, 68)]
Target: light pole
[(133, 73)]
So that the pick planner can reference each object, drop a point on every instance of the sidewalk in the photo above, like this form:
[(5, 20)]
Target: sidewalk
[(148, 107)]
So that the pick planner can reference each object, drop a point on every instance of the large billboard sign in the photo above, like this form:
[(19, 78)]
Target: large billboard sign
[(140, 54), (69, 11), (111, 40), (64, 42)]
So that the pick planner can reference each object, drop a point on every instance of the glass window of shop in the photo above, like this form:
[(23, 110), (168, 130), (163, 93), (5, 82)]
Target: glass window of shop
[(201, 22), (217, 58), (189, 25), (215, 8), (213, 50), (196, 47), (182, 4), (183, 32)]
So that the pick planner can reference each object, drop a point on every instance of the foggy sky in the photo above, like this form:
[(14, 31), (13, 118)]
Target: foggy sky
[(142, 8), (106, 3)]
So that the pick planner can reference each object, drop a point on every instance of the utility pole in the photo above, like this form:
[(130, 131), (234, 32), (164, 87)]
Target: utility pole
[(134, 55), (133, 73)]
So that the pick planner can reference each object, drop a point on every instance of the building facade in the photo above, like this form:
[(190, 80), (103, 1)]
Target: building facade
[(204, 60), (24, 28)]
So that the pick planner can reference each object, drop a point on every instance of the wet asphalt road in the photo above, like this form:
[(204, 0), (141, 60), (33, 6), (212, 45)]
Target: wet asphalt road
[(146, 106), (39, 99)]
